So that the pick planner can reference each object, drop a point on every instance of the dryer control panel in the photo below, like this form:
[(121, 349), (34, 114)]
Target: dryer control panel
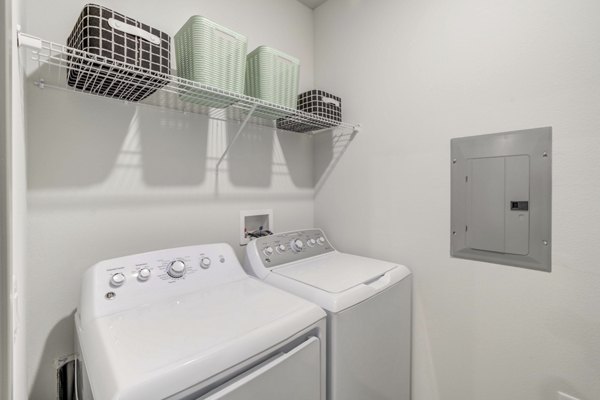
[(143, 279), (283, 248)]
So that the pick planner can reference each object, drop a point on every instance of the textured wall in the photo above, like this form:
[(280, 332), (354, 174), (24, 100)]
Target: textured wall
[(418, 73)]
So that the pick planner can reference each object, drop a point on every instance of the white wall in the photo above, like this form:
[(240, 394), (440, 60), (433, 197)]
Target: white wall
[(417, 73), (106, 180)]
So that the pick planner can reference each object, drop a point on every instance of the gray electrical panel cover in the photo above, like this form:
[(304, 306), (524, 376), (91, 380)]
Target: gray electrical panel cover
[(502, 198)]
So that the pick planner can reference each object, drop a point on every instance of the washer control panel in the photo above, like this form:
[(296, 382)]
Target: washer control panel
[(283, 248), (141, 279)]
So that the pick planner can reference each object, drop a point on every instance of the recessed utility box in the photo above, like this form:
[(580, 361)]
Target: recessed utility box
[(501, 198), (252, 220)]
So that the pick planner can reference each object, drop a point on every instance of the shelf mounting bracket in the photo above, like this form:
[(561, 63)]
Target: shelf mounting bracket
[(24, 40), (235, 138)]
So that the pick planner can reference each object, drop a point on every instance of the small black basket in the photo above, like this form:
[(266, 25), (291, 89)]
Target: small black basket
[(319, 103), (117, 56)]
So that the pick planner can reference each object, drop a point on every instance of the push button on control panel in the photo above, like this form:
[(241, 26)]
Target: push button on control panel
[(205, 262), (117, 279), (144, 274)]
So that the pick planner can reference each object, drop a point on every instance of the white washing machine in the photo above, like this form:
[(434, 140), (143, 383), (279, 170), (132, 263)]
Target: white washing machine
[(368, 303), (189, 323)]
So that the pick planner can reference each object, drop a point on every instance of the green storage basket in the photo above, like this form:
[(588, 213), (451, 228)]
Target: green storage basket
[(213, 55), (272, 75)]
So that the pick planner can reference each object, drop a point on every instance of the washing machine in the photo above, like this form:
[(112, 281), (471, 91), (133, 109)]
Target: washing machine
[(189, 323), (368, 303)]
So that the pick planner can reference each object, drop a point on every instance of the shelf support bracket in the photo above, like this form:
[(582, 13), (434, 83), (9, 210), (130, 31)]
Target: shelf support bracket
[(237, 135), (24, 40)]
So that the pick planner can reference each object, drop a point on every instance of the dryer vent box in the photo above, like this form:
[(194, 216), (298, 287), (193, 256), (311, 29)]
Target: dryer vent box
[(501, 198)]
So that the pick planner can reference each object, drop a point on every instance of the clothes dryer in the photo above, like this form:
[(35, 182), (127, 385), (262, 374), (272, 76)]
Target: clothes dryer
[(189, 323)]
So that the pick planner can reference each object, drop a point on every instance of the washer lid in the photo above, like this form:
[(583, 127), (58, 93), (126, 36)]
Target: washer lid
[(162, 348), (335, 272)]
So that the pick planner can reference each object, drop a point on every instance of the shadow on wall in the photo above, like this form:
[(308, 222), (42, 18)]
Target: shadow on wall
[(250, 161), (69, 142), (77, 140), (323, 153), (174, 149), (296, 160), (61, 333), (329, 147)]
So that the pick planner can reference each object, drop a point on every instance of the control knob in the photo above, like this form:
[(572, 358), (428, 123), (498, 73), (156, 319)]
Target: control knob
[(297, 245), (268, 251), (144, 274), (205, 262), (281, 248), (311, 242), (117, 279), (176, 269), (321, 240)]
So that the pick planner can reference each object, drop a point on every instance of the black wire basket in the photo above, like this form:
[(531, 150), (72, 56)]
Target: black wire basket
[(117, 56), (319, 103)]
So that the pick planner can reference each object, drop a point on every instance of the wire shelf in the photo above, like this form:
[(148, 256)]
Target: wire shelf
[(67, 68)]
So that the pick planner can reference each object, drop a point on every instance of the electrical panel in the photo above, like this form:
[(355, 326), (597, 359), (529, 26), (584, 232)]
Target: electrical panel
[(501, 198)]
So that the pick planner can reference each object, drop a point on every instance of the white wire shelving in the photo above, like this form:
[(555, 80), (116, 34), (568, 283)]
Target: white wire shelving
[(59, 66)]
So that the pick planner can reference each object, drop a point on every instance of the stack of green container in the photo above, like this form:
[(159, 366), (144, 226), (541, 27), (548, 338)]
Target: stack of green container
[(213, 55), (273, 76)]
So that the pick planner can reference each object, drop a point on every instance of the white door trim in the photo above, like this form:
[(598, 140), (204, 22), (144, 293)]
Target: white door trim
[(6, 314)]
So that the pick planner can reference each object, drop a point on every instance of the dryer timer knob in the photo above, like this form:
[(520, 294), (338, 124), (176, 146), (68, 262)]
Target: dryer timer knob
[(297, 245), (176, 269)]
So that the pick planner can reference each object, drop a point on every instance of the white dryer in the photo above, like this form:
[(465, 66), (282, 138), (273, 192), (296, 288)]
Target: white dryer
[(368, 303), (189, 323)]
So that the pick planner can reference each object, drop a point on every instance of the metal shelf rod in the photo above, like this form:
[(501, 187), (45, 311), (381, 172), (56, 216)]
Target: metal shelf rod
[(237, 135)]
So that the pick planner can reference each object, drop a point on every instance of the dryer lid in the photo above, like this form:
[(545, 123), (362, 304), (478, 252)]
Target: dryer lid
[(335, 272)]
